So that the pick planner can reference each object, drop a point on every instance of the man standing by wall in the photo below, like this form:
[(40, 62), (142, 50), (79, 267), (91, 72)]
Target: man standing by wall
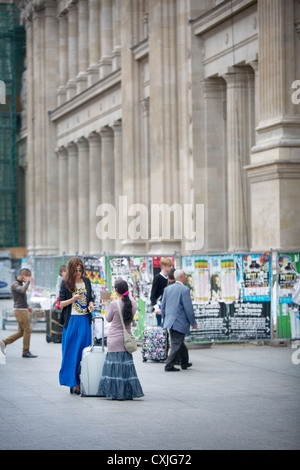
[(21, 311)]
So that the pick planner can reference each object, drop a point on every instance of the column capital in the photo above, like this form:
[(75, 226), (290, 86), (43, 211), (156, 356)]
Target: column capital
[(212, 86), (94, 137), (236, 76), (117, 126), (61, 152), (72, 148), (106, 132), (253, 62), (82, 143)]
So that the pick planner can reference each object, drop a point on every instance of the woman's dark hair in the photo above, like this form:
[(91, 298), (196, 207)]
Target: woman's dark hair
[(71, 273), (121, 287)]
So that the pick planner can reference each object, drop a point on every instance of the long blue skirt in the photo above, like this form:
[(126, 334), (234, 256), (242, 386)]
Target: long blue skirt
[(75, 338), (119, 380)]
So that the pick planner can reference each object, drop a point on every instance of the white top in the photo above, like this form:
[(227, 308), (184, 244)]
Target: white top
[(79, 307)]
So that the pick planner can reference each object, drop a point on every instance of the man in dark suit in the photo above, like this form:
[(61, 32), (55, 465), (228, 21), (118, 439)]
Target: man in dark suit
[(178, 315)]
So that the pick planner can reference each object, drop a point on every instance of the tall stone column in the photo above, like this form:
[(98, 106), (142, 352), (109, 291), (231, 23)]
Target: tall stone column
[(105, 63), (107, 141), (214, 169), (255, 99), (164, 116), (63, 59), (94, 41), (73, 220), (238, 155), (83, 196), (191, 181), (30, 191), (276, 58), (51, 70), (63, 226), (72, 50), (38, 133), (130, 102), (116, 53), (95, 184), (274, 171), (118, 177), (83, 45), (107, 150), (145, 160)]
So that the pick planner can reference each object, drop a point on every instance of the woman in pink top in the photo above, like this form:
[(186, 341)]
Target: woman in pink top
[(119, 380)]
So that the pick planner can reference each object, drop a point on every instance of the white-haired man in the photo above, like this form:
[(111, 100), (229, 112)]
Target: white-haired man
[(178, 315)]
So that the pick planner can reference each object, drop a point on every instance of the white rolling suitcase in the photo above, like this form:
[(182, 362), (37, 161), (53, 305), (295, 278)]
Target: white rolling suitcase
[(91, 365)]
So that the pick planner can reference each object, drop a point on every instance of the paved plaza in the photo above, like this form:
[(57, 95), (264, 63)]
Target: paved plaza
[(234, 397)]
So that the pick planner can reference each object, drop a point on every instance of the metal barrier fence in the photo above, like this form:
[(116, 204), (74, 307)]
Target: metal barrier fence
[(236, 296)]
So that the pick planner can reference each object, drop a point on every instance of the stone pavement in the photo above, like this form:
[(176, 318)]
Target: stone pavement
[(234, 397)]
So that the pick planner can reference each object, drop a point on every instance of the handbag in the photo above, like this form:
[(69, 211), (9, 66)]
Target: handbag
[(130, 343)]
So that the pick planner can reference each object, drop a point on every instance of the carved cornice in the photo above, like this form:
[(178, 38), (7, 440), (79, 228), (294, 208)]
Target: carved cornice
[(93, 92), (219, 14)]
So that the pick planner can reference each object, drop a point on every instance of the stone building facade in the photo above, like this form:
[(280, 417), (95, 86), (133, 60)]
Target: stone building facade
[(181, 102)]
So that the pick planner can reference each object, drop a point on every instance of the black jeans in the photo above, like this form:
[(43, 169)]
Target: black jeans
[(179, 353)]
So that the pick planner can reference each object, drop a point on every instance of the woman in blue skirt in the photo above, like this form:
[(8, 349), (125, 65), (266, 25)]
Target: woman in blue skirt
[(119, 380), (77, 302)]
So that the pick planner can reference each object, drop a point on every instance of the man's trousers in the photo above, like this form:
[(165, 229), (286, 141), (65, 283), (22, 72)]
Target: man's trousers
[(22, 317), (179, 353)]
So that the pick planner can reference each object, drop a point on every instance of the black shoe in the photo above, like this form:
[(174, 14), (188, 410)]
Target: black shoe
[(189, 364), (172, 369), (28, 355)]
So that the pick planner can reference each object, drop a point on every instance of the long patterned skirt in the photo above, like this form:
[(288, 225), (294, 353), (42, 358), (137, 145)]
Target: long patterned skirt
[(119, 379)]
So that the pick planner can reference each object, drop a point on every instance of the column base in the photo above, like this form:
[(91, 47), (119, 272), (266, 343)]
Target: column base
[(61, 95), (275, 192), (277, 140), (81, 82), (105, 66), (71, 89), (92, 74), (116, 58)]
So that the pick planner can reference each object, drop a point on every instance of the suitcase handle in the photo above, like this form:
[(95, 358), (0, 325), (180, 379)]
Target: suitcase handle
[(96, 317)]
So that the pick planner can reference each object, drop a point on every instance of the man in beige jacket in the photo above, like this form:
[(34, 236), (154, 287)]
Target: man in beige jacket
[(21, 311)]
